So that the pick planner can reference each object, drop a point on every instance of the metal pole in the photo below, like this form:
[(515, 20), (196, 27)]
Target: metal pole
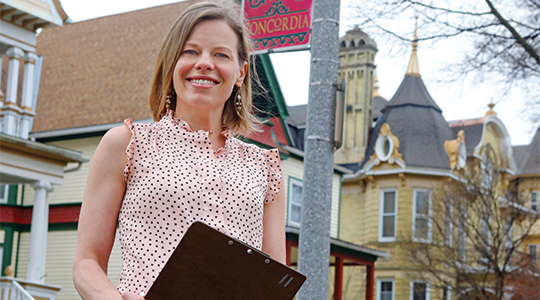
[(314, 244)]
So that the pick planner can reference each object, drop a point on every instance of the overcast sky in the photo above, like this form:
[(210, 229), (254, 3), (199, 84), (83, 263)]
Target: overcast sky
[(458, 100)]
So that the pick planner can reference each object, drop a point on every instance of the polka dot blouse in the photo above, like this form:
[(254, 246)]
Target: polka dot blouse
[(173, 178)]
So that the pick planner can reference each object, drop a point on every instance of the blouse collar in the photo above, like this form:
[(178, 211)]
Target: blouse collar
[(184, 125)]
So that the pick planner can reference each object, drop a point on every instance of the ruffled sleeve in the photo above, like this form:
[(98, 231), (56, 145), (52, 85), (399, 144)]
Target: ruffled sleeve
[(130, 150), (273, 166)]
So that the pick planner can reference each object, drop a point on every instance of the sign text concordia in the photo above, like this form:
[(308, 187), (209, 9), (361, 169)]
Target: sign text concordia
[(278, 23)]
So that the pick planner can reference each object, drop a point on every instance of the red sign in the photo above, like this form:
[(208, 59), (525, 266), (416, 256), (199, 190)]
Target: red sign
[(282, 24)]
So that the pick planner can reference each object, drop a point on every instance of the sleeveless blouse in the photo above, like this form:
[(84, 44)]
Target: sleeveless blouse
[(173, 178)]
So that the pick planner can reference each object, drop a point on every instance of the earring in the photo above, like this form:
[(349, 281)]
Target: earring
[(238, 102), (168, 103)]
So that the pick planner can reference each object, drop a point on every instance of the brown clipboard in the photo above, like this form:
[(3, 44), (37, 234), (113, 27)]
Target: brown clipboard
[(210, 265)]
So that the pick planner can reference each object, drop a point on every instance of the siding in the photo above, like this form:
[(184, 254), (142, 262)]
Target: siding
[(293, 167), (59, 261), (72, 189)]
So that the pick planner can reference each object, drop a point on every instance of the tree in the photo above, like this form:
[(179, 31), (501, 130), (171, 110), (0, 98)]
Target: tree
[(503, 36), (477, 231)]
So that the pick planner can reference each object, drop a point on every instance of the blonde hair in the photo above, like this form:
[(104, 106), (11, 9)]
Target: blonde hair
[(242, 121)]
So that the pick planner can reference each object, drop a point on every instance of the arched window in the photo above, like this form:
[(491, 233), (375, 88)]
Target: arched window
[(362, 43), (352, 44), (343, 45)]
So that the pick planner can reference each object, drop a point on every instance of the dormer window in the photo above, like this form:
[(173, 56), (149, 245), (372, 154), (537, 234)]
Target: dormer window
[(384, 147), (352, 44), (343, 45), (361, 43)]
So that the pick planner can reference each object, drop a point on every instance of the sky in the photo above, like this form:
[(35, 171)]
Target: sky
[(458, 100)]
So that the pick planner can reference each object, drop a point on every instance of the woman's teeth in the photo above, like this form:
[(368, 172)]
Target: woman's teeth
[(202, 81)]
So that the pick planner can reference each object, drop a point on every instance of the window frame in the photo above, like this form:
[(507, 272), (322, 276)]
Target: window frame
[(381, 214), (537, 200), (449, 222), (462, 230), (379, 285), (535, 259), (428, 288), (297, 182), (5, 197), (429, 216)]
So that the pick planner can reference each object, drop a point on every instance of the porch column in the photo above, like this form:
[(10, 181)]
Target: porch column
[(338, 278), (2, 97), (27, 114), (370, 281), (38, 233), (10, 109)]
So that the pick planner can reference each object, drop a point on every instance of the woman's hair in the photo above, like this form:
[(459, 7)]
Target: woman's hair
[(241, 121)]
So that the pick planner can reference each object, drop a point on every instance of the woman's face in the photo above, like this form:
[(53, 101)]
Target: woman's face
[(208, 67)]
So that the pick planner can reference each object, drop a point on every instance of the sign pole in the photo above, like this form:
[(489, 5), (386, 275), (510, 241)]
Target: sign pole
[(314, 243)]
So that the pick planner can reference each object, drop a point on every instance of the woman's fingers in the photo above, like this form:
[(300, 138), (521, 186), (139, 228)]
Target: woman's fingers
[(131, 296)]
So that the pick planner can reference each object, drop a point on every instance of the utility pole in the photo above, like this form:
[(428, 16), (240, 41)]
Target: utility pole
[(314, 243)]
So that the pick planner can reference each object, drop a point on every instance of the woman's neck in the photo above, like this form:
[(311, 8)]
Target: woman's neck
[(206, 121)]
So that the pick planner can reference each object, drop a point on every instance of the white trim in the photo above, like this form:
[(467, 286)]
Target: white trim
[(80, 130), (448, 292), (428, 217), (4, 197), (379, 147), (378, 289), (395, 214), (292, 182), (505, 142), (362, 173), (537, 200), (428, 288)]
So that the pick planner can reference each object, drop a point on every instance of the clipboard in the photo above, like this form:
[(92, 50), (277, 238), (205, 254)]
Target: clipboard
[(209, 265)]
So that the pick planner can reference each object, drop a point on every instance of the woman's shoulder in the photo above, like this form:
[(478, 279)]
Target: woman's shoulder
[(248, 147), (117, 138)]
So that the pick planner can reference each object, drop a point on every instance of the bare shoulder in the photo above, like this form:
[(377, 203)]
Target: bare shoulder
[(116, 139)]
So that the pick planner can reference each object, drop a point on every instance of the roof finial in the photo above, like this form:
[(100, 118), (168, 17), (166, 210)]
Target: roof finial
[(413, 68), (491, 112), (375, 85)]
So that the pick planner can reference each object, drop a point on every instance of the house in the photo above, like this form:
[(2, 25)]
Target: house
[(24, 162), (402, 153), (95, 74)]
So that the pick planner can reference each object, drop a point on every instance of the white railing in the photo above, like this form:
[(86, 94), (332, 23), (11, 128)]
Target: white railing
[(12, 290), (20, 293)]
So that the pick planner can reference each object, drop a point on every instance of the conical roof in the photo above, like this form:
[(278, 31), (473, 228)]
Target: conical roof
[(530, 161), (417, 121)]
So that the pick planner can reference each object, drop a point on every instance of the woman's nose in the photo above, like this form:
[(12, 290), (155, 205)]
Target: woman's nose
[(204, 63)]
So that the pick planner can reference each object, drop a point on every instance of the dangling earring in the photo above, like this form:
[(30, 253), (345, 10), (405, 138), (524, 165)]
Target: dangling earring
[(168, 104), (238, 102)]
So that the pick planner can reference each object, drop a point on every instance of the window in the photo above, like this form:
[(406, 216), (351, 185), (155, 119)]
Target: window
[(486, 170), (295, 201), (422, 215), (533, 200), (4, 193), (462, 234), (449, 223), (485, 227), (419, 290), (446, 293), (508, 235), (385, 289), (388, 216), (532, 250)]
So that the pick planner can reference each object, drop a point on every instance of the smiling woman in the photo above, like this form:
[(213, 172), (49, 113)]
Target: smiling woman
[(154, 180)]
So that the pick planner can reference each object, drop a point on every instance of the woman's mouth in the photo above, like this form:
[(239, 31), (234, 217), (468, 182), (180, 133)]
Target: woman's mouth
[(202, 81)]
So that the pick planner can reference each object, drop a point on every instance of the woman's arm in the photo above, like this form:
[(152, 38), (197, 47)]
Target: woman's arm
[(103, 196), (274, 227)]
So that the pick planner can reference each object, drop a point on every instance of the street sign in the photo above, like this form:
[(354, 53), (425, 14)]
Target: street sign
[(278, 25)]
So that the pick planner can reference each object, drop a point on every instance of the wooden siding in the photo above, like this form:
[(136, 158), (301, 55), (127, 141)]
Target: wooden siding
[(59, 261), (294, 168), (72, 189)]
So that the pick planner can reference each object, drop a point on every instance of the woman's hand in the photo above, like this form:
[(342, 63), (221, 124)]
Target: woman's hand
[(131, 296)]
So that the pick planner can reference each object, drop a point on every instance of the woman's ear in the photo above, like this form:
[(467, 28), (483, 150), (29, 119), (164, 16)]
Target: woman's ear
[(243, 72)]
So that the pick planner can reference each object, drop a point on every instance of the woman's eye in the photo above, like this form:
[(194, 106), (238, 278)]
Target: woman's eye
[(190, 52), (222, 55)]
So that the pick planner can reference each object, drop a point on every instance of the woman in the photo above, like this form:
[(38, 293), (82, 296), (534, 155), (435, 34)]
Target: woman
[(154, 180)]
